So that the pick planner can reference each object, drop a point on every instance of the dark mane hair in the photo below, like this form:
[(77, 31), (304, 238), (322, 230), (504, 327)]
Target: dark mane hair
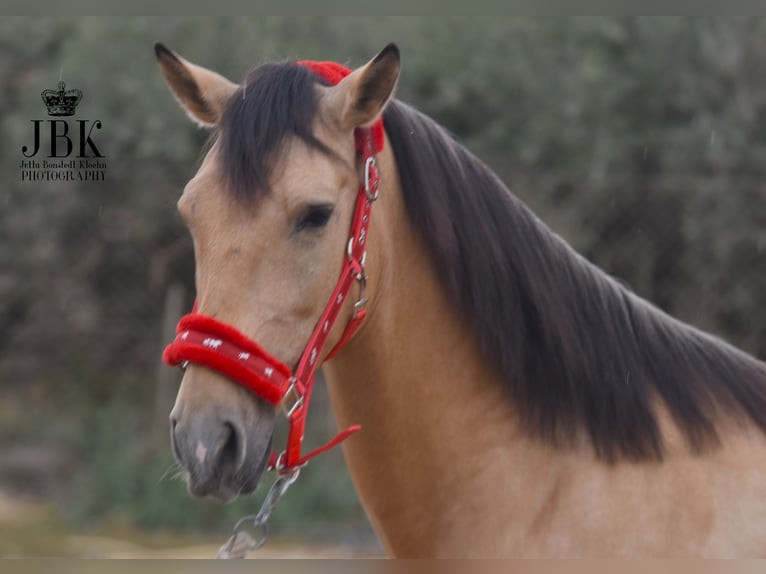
[(576, 350)]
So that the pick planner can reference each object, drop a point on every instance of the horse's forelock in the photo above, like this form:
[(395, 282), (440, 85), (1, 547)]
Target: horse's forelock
[(275, 102)]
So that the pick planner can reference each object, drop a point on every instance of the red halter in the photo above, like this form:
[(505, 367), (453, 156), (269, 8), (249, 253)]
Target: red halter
[(208, 342)]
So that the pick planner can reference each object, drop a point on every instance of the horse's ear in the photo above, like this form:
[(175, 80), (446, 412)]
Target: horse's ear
[(201, 92), (361, 97)]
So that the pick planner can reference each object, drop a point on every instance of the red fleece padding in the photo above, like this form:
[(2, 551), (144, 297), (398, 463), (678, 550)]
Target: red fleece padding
[(198, 322), (333, 73), (224, 359), (177, 353)]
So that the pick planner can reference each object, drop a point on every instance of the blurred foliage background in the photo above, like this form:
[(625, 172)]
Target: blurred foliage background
[(641, 140)]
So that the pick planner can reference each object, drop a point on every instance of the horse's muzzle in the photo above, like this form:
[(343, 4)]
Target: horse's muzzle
[(219, 459)]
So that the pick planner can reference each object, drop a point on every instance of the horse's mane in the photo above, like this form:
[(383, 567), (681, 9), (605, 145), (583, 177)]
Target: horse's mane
[(576, 350)]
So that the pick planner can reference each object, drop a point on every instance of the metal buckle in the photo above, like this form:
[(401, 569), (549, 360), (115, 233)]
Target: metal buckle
[(362, 278), (359, 305), (296, 397), (371, 162)]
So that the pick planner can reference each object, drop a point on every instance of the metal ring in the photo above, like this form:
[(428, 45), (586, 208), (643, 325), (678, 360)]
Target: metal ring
[(290, 477), (296, 397), (280, 464), (368, 164)]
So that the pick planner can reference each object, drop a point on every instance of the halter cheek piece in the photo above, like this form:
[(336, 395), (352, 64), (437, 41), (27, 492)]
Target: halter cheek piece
[(205, 341)]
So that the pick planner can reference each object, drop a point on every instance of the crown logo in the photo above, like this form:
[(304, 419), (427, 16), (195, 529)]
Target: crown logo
[(62, 102)]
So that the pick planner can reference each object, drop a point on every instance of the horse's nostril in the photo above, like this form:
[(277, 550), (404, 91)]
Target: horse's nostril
[(173, 419), (173, 439), (228, 460)]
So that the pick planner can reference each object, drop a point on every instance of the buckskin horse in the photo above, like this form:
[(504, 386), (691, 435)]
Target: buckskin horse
[(514, 400)]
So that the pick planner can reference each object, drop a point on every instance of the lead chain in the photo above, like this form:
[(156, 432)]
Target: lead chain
[(241, 540)]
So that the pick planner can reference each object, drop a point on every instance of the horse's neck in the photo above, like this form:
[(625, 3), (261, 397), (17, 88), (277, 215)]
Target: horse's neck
[(438, 429), (443, 469)]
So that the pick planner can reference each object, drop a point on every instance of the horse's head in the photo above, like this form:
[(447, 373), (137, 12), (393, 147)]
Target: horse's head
[(269, 211)]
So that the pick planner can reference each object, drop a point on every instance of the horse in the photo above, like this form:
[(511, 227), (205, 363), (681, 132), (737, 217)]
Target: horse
[(514, 399)]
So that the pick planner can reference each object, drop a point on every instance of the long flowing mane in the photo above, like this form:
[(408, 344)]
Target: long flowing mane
[(576, 350)]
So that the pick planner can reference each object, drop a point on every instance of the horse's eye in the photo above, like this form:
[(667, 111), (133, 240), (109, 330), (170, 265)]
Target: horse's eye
[(314, 217)]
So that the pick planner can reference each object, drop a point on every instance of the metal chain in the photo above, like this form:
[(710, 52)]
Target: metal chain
[(241, 541)]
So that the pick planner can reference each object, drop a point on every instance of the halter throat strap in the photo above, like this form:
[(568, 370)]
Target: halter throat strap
[(205, 341)]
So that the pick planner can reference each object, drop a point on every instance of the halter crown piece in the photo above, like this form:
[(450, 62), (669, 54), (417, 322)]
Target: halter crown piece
[(205, 341)]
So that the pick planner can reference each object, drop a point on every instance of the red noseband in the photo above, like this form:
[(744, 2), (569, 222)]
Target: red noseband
[(205, 341)]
